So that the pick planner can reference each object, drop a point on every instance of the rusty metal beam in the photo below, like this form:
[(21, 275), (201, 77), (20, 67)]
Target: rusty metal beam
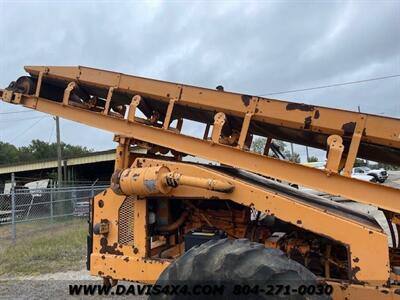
[(379, 195), (363, 241), (378, 130)]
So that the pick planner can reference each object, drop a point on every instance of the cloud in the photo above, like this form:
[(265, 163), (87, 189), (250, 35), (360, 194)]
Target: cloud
[(253, 47)]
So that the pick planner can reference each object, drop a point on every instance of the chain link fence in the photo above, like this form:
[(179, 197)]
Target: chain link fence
[(24, 211)]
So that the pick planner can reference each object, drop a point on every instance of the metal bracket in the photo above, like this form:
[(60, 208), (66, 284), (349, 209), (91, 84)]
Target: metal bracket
[(133, 106), (246, 121), (7, 96), (355, 143), (17, 98), (122, 152), (108, 100), (168, 114), (12, 97), (179, 92), (219, 121), (335, 144), (39, 82), (67, 92)]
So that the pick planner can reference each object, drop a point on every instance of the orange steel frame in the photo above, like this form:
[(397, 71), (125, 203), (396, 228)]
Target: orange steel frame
[(379, 195), (363, 241), (367, 246), (379, 130)]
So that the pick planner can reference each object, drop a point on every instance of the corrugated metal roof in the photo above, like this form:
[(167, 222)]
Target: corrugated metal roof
[(101, 156)]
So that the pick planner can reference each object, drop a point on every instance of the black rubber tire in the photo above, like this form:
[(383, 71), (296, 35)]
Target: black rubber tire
[(237, 262), (375, 176)]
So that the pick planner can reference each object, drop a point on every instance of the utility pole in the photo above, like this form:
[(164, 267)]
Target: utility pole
[(292, 151), (59, 158), (12, 191), (308, 156)]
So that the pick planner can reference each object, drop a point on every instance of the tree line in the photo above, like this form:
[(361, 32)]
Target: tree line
[(37, 150), (259, 144)]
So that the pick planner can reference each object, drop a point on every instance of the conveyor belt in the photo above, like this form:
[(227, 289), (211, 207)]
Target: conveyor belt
[(297, 195), (293, 122), (100, 99)]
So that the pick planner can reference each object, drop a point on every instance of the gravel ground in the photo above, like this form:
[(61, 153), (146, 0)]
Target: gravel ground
[(52, 286)]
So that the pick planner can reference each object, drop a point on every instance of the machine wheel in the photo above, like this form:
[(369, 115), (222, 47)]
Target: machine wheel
[(237, 262)]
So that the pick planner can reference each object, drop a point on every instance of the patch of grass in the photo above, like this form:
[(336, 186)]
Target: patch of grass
[(62, 247)]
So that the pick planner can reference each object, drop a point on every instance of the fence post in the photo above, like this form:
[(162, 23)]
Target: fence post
[(92, 188), (51, 200), (13, 225)]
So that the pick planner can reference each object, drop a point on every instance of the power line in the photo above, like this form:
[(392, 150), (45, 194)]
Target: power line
[(21, 119), (330, 85), (27, 129), (16, 112)]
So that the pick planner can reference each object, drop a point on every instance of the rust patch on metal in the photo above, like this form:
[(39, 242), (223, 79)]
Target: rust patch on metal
[(109, 249), (103, 257), (299, 222), (356, 259), (307, 123), (101, 203), (246, 99), (126, 259), (397, 291), (384, 291), (354, 272), (105, 192), (300, 106), (316, 114), (135, 250), (348, 128)]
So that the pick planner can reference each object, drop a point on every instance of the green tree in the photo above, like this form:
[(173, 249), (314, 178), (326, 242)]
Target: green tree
[(8, 153), (37, 150), (258, 145), (312, 159), (360, 162), (281, 145), (387, 166), (295, 158), (71, 150)]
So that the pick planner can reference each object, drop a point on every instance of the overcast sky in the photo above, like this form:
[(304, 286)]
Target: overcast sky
[(253, 47)]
